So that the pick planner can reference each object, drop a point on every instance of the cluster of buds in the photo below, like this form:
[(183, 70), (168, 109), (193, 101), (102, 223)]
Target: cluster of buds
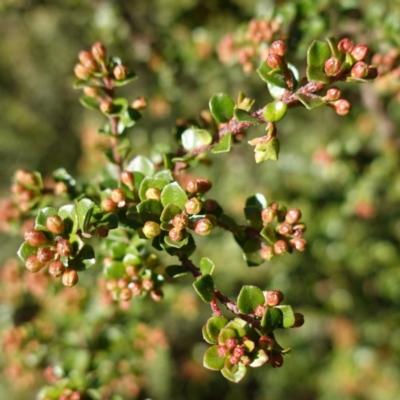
[(26, 189), (250, 47), (288, 234), (91, 62), (137, 281), (51, 249), (69, 394)]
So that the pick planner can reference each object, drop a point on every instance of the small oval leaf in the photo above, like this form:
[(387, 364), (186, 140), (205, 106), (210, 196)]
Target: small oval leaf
[(221, 107), (250, 297)]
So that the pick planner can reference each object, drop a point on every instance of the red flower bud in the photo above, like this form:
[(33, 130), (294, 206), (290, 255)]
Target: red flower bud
[(45, 254), (285, 229), (192, 186), (125, 294), (298, 243), (175, 234), (332, 66), (64, 248), (118, 195), (120, 72), (33, 264), (108, 204), (233, 360), (266, 343), (128, 178), (268, 215), (239, 351), (273, 297), (139, 104), (360, 52), (281, 247), (293, 216), (81, 72), (99, 51), (333, 93), (222, 349), (345, 45), (203, 226), (25, 178), (359, 70), (276, 360), (259, 311), (123, 283), (372, 72), (148, 284), (87, 60), (278, 47), (342, 107), (204, 185), (70, 277), (180, 221), (56, 268), (267, 253), (274, 61), (34, 238), (231, 343), (55, 224), (90, 91)]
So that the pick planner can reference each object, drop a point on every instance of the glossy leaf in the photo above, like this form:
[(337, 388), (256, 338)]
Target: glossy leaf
[(206, 266), (317, 54), (253, 216), (257, 200), (275, 111), (169, 212), (214, 326), (272, 76), (221, 107), (165, 175), (271, 319), (226, 333), (206, 336), (175, 271), (179, 244), (70, 217), (26, 250), (250, 297), (89, 102), (173, 194), (235, 375), (84, 211), (149, 210), (259, 358), (193, 138), (245, 116), (269, 233), (148, 183), (288, 318), (204, 287), (224, 145), (212, 360), (141, 164), (310, 102), (84, 259)]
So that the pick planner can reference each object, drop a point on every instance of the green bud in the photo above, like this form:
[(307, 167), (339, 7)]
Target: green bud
[(151, 229)]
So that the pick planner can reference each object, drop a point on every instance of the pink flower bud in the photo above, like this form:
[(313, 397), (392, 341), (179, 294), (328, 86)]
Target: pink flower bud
[(332, 66), (99, 51), (120, 72), (33, 264), (180, 221), (278, 47), (45, 254), (274, 61), (56, 268), (175, 234), (333, 93), (359, 70), (342, 107), (346, 45), (118, 195), (55, 224), (281, 247), (273, 297), (34, 238), (360, 52)]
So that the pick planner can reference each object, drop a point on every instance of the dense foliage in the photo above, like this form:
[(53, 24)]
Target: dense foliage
[(147, 211)]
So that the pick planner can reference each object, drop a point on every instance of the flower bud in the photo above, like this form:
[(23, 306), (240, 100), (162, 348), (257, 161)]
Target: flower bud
[(259, 311), (278, 47), (157, 295), (118, 195), (55, 224), (285, 229), (34, 238), (360, 52), (273, 297), (233, 360), (99, 51), (125, 294), (128, 178), (267, 253), (102, 231), (90, 91), (274, 61), (108, 204), (153, 193), (81, 72), (293, 216), (151, 229), (87, 60), (342, 107), (139, 104), (359, 70), (345, 45), (123, 283), (281, 247), (192, 186), (204, 185), (45, 254), (193, 206), (175, 234), (210, 205), (136, 289), (333, 93), (245, 360), (33, 264), (298, 320), (132, 271), (298, 243), (56, 268), (106, 106), (276, 360), (372, 72), (180, 221), (299, 229), (148, 284), (268, 215), (332, 66), (266, 342), (222, 349), (25, 178), (203, 226), (239, 351), (231, 343), (120, 72), (112, 285), (70, 277), (64, 248)]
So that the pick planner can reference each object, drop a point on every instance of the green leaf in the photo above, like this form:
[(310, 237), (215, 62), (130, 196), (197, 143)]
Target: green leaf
[(250, 297), (206, 266), (169, 212), (70, 217), (275, 111), (239, 326), (252, 253), (193, 138), (269, 233), (221, 107), (84, 259), (89, 102), (310, 102), (274, 77), (257, 200), (141, 164), (84, 210), (317, 54), (128, 117), (40, 223), (212, 360), (226, 333), (253, 217), (259, 358), (206, 336), (175, 271), (288, 318), (109, 220), (224, 145), (332, 43), (204, 286), (148, 183), (174, 194), (131, 76), (214, 326), (178, 245), (149, 210), (244, 116), (235, 375), (271, 319), (165, 175), (61, 175), (25, 251), (267, 150)]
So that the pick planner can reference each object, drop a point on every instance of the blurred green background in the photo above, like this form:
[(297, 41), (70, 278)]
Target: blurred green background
[(342, 172)]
